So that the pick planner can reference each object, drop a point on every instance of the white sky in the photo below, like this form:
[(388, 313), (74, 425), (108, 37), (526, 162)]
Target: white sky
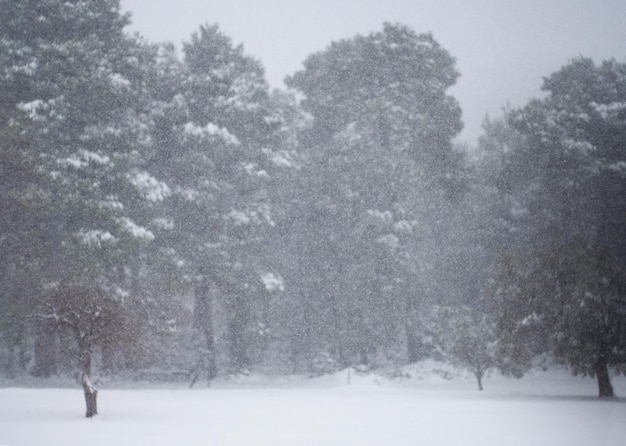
[(503, 48)]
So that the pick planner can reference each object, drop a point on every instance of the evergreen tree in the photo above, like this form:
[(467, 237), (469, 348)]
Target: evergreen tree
[(217, 134), (568, 281), (379, 167), (575, 154), (568, 300), (73, 88)]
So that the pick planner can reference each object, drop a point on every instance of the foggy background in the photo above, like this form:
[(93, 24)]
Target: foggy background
[(169, 212), (503, 48)]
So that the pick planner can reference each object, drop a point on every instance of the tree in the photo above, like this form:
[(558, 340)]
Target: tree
[(575, 154), (217, 133), (93, 317), (397, 81), (73, 89), (469, 339), (20, 247), (559, 219), (379, 167), (575, 295), (576, 138)]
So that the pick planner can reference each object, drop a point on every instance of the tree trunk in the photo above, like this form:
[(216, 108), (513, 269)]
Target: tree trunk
[(237, 329), (9, 365), (45, 350), (91, 396), (479, 378), (211, 366), (239, 358), (203, 320), (91, 393), (413, 344), (605, 389), (337, 331), (414, 347), (301, 337)]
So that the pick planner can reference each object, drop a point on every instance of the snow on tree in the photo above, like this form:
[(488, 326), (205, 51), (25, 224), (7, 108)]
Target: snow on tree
[(219, 140), (574, 295), (575, 146), (567, 278), (379, 144), (93, 317), (73, 87), (469, 340)]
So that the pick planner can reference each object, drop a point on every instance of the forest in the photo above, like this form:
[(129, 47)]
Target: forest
[(166, 215)]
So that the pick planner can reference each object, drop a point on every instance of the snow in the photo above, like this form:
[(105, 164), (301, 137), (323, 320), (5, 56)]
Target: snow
[(94, 157), (112, 203), (253, 170), (72, 161), (149, 187), (547, 408), (239, 218), (32, 108), (380, 216), (188, 194), (163, 223), (580, 147), (40, 110), (242, 91), (608, 110), (191, 130), (389, 240), (261, 213), (282, 159), (273, 282), (404, 226), (619, 167), (119, 81), (83, 158), (222, 133), (134, 229), (96, 238)]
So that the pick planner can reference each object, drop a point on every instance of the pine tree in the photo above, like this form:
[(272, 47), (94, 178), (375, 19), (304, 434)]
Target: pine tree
[(72, 90), (379, 167), (568, 183), (214, 123)]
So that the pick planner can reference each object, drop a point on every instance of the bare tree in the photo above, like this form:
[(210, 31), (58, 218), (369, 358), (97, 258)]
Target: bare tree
[(94, 317)]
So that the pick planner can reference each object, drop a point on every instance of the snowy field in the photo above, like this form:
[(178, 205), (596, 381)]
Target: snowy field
[(545, 408)]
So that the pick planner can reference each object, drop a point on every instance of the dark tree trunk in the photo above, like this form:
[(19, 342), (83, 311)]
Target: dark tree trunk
[(203, 320), (237, 329), (90, 391), (364, 356), (301, 339), (16, 360), (211, 366), (45, 350), (414, 347), (479, 377), (338, 332), (91, 396), (9, 365), (413, 344), (605, 389)]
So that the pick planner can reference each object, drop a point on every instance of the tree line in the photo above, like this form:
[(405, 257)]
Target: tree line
[(168, 213)]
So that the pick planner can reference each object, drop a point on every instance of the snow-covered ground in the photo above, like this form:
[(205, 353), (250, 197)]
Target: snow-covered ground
[(434, 406)]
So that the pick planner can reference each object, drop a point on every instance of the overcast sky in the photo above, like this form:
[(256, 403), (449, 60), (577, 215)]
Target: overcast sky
[(503, 48)]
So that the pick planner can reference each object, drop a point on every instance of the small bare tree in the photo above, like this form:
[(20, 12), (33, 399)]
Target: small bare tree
[(471, 341), (94, 317)]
